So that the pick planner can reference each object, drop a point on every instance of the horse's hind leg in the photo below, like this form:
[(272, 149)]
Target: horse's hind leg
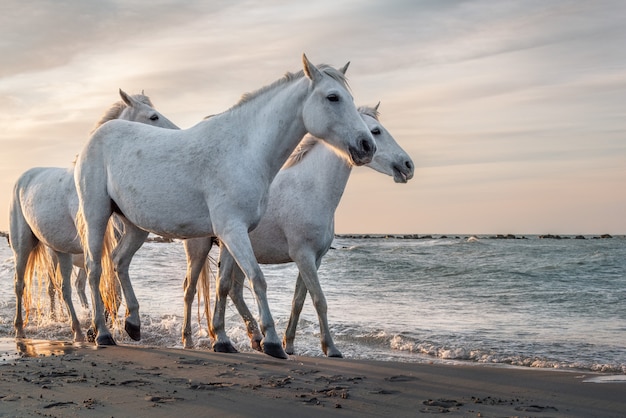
[(79, 284), (308, 273), (23, 242), (197, 251), (78, 260), (65, 267), (236, 295), (299, 296), (96, 223), (21, 260)]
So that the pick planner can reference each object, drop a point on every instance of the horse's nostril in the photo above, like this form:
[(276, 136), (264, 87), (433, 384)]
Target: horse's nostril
[(408, 165), (365, 145)]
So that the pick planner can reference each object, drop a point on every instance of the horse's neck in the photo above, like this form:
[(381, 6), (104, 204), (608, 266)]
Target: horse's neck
[(275, 124), (327, 172)]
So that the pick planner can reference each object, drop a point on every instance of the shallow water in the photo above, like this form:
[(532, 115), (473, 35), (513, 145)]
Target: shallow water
[(528, 302)]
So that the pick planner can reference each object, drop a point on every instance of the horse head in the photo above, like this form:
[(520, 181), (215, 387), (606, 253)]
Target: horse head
[(390, 158), (139, 109), (329, 113)]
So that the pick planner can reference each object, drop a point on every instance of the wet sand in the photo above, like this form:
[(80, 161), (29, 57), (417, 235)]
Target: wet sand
[(65, 380)]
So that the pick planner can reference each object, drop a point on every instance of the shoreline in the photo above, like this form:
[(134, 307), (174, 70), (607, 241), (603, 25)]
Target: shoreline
[(64, 379), (480, 236), (157, 238)]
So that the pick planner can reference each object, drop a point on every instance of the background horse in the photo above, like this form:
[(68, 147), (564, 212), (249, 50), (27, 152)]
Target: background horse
[(43, 214), (299, 226), (212, 179)]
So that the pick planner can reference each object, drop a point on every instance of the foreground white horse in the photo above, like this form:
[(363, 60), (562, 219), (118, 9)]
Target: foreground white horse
[(42, 214), (212, 179), (297, 226)]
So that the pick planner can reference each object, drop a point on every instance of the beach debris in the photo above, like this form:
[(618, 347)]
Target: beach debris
[(209, 386), (536, 408), (400, 378), (55, 404), (440, 405), (162, 399)]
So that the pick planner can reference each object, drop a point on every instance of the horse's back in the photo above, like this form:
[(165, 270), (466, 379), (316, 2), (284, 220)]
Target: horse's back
[(47, 201), (133, 160)]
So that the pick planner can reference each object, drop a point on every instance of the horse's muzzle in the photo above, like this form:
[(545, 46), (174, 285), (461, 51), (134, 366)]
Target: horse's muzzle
[(363, 152), (403, 172)]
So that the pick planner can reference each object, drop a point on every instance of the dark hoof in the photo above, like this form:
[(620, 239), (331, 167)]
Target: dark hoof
[(274, 350), (336, 355), (133, 331), (105, 340), (224, 348)]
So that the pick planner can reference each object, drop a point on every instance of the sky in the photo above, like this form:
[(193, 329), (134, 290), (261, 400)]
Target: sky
[(514, 112)]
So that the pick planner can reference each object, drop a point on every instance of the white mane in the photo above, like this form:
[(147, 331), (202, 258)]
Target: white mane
[(289, 77), (117, 108), (310, 141)]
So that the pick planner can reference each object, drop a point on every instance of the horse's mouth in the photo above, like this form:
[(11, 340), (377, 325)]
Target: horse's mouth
[(400, 176), (360, 157)]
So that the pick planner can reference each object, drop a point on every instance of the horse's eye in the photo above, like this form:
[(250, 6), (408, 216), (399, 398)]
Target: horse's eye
[(376, 131), (333, 98), (154, 117)]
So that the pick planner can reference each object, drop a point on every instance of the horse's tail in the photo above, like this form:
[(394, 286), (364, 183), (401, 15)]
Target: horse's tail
[(109, 284), (204, 290), (40, 265), (81, 227)]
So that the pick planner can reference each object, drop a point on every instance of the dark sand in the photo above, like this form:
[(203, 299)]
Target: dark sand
[(62, 380)]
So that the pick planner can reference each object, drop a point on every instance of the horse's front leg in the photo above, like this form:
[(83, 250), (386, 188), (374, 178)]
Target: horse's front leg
[(197, 250), (223, 286), (308, 265), (236, 295), (129, 243), (238, 243), (65, 268)]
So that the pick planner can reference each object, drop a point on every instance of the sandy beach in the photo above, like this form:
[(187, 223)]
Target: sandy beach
[(65, 380)]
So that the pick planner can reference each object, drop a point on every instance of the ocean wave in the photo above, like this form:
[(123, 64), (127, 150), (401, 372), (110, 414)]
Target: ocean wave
[(444, 351)]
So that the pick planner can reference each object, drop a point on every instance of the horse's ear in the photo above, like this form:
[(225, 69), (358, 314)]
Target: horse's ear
[(345, 68), (310, 70), (376, 107), (126, 98)]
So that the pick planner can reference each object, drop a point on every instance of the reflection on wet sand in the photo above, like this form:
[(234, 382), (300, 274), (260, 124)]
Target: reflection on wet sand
[(15, 348), (8, 350), (41, 348)]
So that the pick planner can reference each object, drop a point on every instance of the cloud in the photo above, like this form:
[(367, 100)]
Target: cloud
[(473, 90)]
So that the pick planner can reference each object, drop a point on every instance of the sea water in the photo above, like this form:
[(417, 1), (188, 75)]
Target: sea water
[(546, 303)]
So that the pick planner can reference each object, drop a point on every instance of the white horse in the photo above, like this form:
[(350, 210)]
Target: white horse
[(212, 179), (298, 226), (43, 215)]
